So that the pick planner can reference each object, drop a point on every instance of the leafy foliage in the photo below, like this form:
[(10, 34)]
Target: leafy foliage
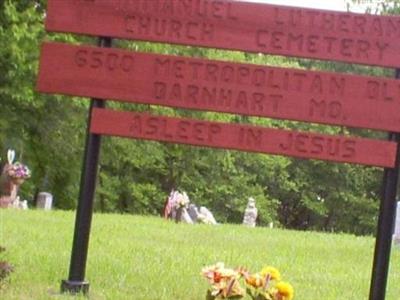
[(48, 133)]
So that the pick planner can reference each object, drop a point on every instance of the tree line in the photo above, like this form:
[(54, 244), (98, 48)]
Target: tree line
[(48, 133)]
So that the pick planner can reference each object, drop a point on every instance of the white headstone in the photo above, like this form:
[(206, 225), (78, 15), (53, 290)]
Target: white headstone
[(193, 212), (44, 201), (206, 216), (396, 235), (23, 205), (250, 214), (185, 217)]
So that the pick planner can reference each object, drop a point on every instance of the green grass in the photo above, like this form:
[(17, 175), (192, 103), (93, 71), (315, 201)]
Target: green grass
[(133, 257)]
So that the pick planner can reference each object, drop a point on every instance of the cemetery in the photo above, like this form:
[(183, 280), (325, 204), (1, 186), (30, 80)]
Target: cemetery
[(201, 149)]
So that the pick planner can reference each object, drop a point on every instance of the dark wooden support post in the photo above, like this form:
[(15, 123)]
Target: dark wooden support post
[(76, 280), (386, 221)]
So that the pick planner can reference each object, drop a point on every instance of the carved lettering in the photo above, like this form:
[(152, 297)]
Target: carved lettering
[(289, 143), (337, 86), (250, 137), (110, 61), (161, 67), (334, 109), (160, 90), (376, 27), (81, 57), (152, 125), (323, 109), (349, 149), (343, 23), (381, 48), (319, 145), (184, 130), (258, 78), (363, 48), (225, 99), (299, 77), (227, 74), (296, 40), (381, 91), (316, 85), (312, 44), (359, 24), (300, 143), (209, 9), (346, 47), (243, 75), (333, 146), (168, 28), (136, 125), (276, 40), (237, 25), (373, 90), (177, 68), (211, 72)]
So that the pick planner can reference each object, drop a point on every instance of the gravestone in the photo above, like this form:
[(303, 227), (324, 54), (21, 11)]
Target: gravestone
[(44, 201), (250, 214), (396, 235), (205, 216), (185, 217), (17, 203), (193, 212)]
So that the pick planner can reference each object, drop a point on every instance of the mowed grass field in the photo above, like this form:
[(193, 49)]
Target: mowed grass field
[(134, 257)]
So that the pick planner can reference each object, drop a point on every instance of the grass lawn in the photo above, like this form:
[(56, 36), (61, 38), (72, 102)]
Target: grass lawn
[(134, 257)]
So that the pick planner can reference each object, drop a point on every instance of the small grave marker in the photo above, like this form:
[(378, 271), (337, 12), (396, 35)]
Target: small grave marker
[(250, 214), (44, 201)]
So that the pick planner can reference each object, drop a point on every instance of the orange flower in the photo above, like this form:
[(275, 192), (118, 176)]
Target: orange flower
[(255, 280), (213, 273)]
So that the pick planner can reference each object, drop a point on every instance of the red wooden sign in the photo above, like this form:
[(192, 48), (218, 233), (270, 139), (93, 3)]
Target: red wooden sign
[(229, 24), (244, 89), (243, 137)]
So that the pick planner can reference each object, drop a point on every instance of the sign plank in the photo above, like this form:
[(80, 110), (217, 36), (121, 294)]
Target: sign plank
[(181, 82), (243, 138), (236, 25)]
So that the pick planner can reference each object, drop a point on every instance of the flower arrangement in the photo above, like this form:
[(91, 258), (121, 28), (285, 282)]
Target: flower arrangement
[(182, 200), (263, 285), (18, 171)]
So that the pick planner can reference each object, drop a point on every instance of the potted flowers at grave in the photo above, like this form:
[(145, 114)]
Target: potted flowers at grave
[(18, 172)]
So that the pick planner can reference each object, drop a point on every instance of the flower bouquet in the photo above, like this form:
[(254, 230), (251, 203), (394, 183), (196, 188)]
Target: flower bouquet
[(267, 285), (181, 202), (224, 282), (18, 172), (263, 285)]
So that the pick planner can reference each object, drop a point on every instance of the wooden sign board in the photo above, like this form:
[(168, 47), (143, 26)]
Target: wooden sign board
[(236, 25), (182, 82), (243, 138), (228, 87)]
